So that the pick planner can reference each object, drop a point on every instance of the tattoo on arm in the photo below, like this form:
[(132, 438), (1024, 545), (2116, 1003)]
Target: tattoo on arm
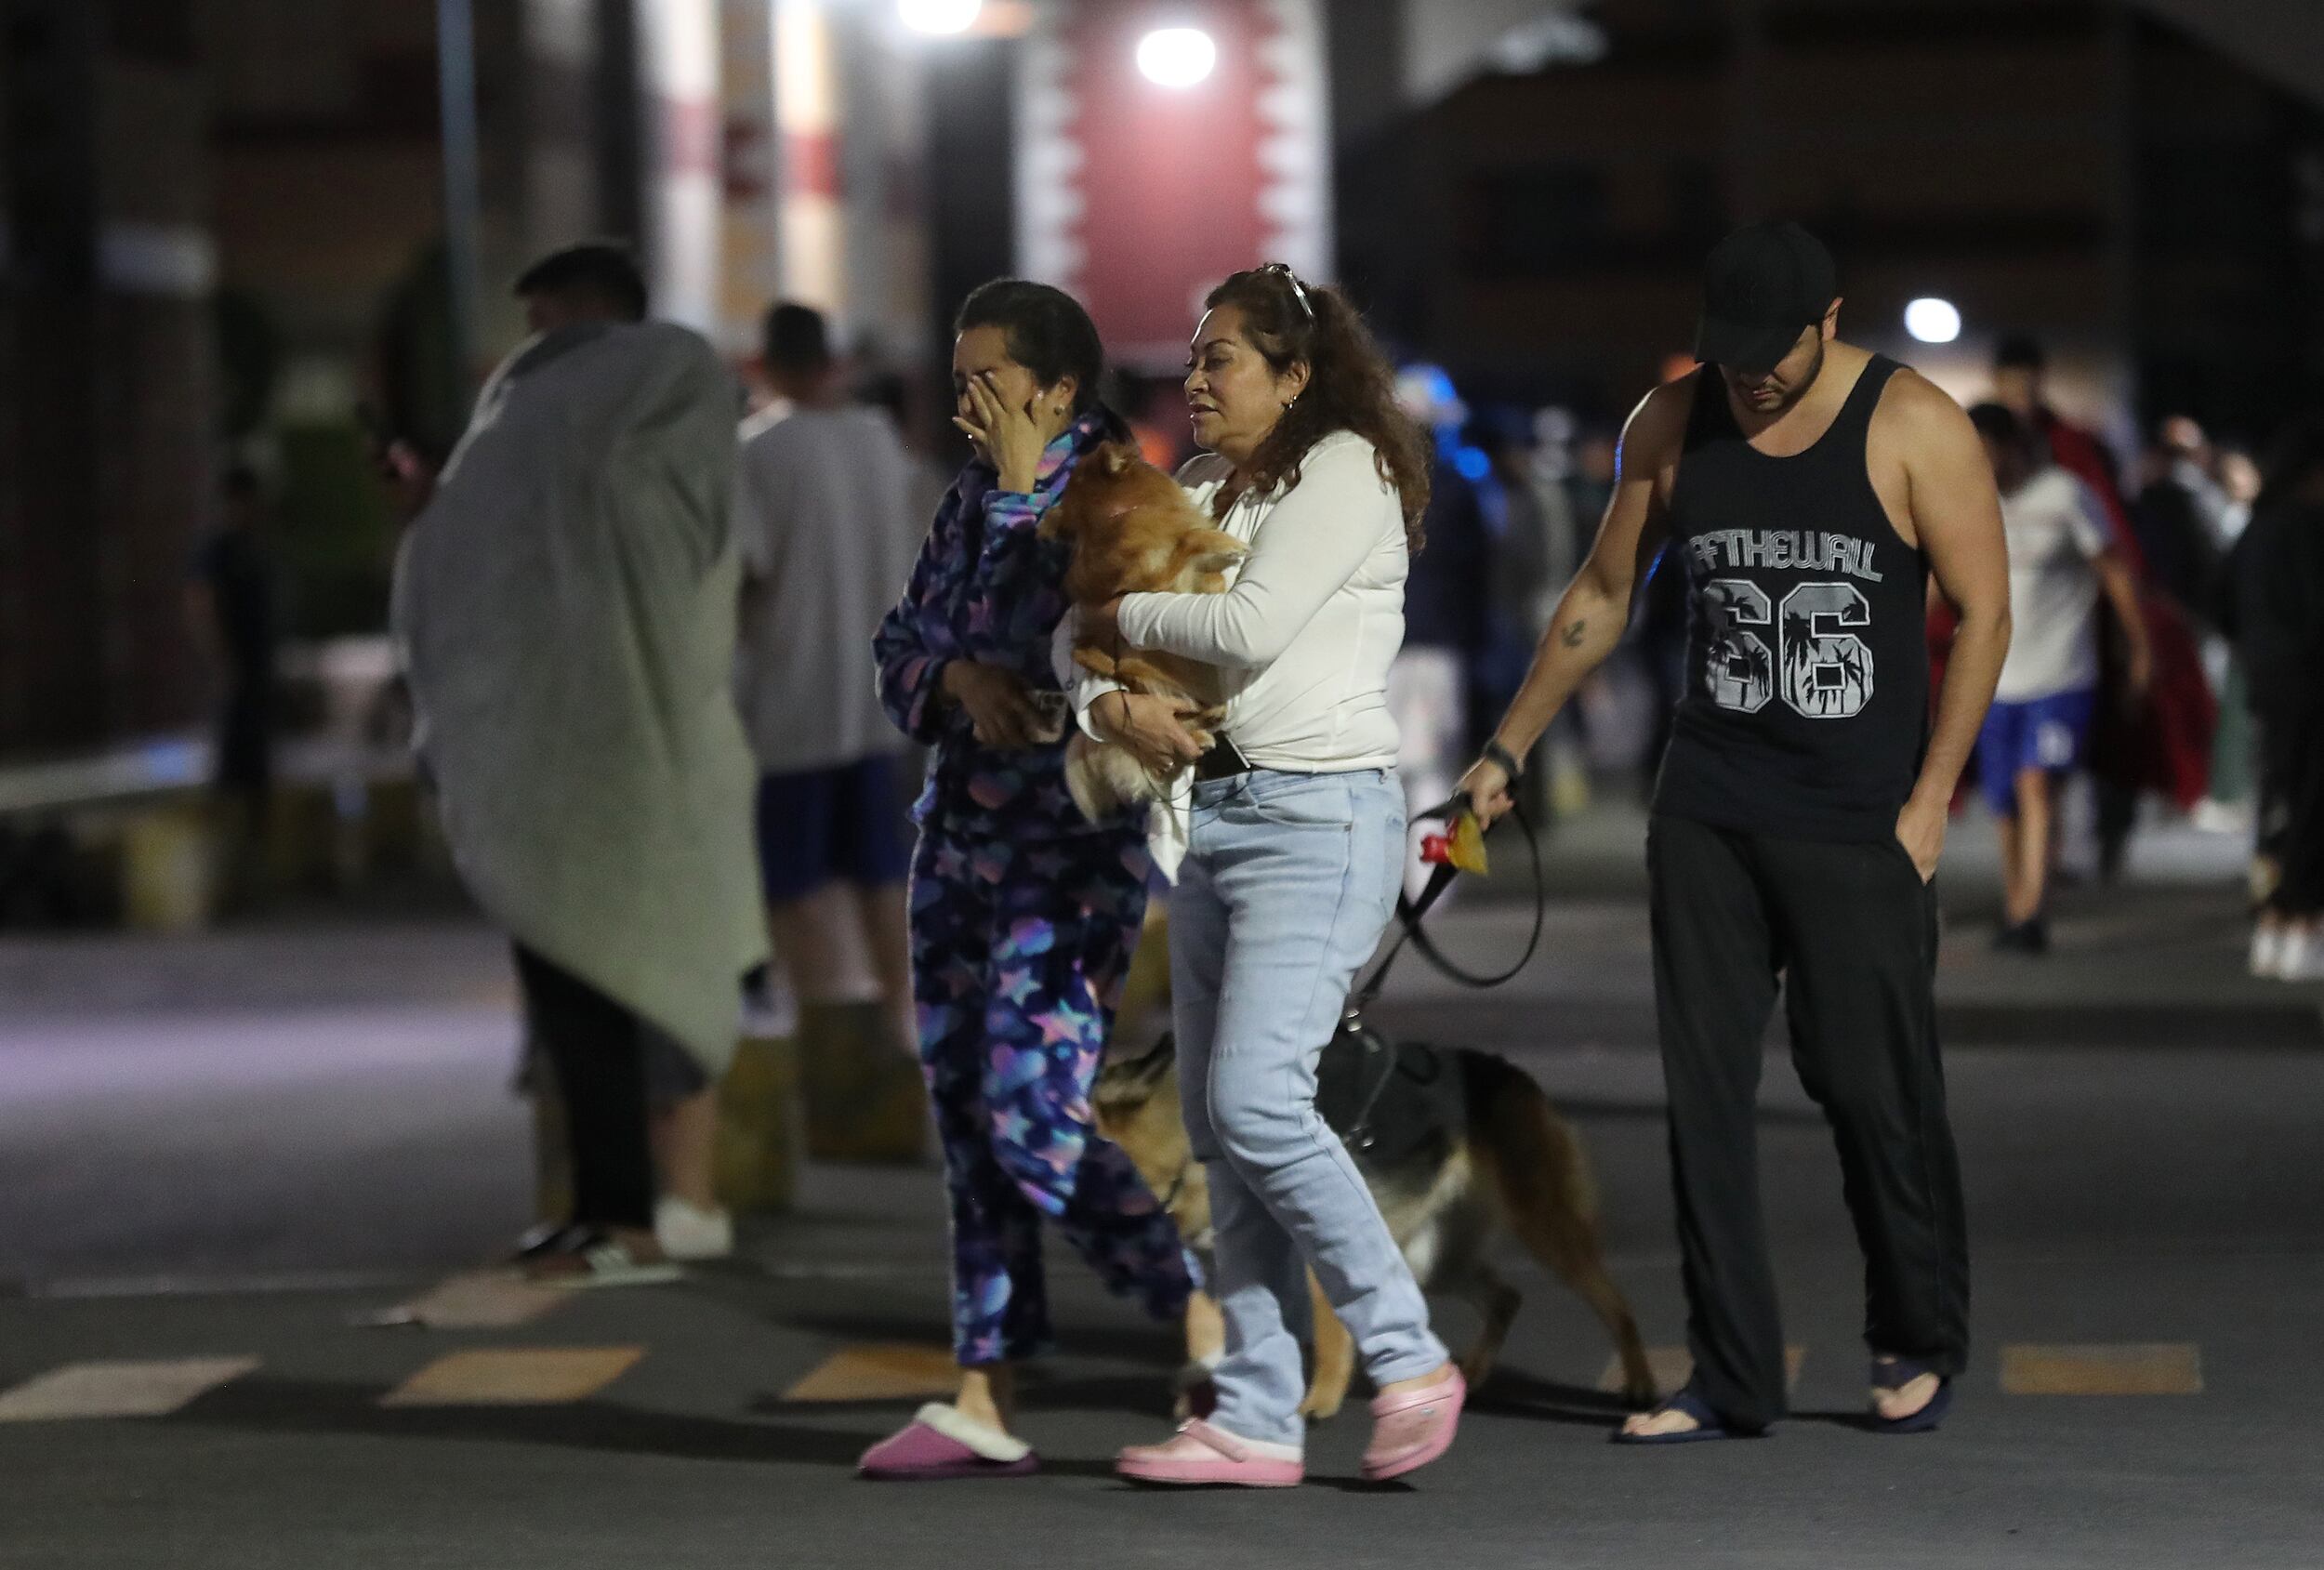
[(1576, 630)]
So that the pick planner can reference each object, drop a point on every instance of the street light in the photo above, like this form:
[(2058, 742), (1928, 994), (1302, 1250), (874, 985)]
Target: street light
[(1177, 56), (940, 17), (1933, 321)]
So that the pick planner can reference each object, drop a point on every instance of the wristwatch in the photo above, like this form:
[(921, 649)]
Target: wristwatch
[(1503, 760)]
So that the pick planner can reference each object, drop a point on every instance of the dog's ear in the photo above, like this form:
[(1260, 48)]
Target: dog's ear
[(1132, 1076)]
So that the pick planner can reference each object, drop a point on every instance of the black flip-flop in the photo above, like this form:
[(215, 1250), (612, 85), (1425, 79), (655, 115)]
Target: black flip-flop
[(1896, 1373), (1709, 1425), (548, 1237)]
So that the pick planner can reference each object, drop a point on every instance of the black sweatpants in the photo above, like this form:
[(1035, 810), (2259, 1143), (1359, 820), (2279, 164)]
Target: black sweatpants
[(596, 1048), (2291, 807), (1852, 930)]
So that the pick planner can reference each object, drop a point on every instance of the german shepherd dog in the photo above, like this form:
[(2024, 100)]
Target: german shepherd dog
[(1490, 1153), (1133, 530)]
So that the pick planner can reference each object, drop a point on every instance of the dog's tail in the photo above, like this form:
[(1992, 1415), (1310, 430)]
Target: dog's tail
[(1085, 778), (1540, 1171)]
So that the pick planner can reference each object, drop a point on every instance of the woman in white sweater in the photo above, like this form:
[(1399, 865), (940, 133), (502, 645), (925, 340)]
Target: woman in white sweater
[(1296, 848)]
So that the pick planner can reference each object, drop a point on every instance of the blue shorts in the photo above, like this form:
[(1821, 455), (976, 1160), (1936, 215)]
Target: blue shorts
[(828, 826), (2047, 734)]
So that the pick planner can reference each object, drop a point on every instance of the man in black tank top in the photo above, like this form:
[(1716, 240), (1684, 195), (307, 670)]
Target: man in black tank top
[(1808, 490)]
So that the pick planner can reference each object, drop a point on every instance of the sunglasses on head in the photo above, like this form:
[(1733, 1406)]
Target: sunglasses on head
[(1298, 290)]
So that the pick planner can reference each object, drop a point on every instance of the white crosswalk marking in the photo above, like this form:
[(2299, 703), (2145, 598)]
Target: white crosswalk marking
[(119, 1389), (873, 1372), (514, 1377), (476, 1300), (2117, 1368)]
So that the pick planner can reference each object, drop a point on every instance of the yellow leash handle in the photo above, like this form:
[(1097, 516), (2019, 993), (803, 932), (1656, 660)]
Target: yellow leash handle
[(1462, 847)]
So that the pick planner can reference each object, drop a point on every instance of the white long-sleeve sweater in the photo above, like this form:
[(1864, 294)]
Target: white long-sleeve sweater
[(1310, 620)]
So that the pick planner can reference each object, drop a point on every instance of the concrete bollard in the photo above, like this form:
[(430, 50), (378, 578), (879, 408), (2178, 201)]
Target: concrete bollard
[(865, 1100), (757, 1154), (168, 872)]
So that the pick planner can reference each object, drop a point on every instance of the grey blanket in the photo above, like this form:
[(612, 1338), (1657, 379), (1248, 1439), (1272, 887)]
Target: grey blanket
[(566, 610)]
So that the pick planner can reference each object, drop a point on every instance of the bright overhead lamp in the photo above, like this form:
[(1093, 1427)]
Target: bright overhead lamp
[(939, 17), (1933, 321), (1177, 56)]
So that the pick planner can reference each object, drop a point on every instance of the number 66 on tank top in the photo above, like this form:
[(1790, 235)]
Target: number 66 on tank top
[(1823, 667), (1806, 703)]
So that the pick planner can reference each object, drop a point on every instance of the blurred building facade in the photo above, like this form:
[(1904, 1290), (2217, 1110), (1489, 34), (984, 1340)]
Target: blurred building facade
[(2091, 171), (107, 390), (224, 239), (222, 222)]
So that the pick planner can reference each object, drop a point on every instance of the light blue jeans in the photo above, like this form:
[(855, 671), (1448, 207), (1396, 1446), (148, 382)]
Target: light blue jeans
[(1288, 882)]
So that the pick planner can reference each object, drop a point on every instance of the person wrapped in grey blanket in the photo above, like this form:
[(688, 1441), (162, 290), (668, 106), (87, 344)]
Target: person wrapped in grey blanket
[(565, 607)]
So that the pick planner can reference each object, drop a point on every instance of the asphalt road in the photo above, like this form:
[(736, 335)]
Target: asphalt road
[(216, 1156)]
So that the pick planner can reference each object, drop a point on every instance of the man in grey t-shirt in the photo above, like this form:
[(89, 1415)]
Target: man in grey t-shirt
[(823, 512)]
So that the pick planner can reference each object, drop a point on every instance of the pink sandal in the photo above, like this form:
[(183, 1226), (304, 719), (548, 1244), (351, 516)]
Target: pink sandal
[(1411, 1429), (1200, 1452)]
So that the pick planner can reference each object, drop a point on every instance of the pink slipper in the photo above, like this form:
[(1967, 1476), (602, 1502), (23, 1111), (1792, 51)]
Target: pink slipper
[(1411, 1429), (1199, 1453), (942, 1442)]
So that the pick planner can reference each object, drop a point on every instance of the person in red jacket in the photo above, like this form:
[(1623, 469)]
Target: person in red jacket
[(2021, 373)]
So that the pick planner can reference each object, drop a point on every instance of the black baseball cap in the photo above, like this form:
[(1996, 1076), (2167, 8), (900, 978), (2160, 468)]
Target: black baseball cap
[(1760, 287)]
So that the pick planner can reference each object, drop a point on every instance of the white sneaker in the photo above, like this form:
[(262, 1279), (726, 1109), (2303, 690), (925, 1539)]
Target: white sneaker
[(2302, 956), (2268, 944), (686, 1231), (2220, 817)]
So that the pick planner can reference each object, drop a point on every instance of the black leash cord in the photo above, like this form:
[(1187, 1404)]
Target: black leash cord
[(1410, 912)]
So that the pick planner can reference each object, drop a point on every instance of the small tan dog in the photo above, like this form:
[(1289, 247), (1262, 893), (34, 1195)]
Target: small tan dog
[(1134, 531), (1493, 1156)]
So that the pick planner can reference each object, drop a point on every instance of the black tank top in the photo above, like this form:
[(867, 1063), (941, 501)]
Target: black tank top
[(1806, 700)]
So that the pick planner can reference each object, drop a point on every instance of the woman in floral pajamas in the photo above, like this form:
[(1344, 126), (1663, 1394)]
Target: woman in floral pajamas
[(1023, 913)]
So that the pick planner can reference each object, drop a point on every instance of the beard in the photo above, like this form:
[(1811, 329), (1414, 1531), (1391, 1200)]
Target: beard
[(1807, 381), (1788, 395)]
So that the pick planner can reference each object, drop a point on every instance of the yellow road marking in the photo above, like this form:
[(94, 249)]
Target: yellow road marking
[(1672, 1366), (873, 1372), (119, 1389), (514, 1377), (2125, 1368)]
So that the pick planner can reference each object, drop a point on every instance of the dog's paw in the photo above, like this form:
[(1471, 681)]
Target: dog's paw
[(1321, 1406), (1198, 1398)]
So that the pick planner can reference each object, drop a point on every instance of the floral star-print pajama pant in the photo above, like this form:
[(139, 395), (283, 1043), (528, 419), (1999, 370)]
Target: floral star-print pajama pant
[(1018, 952)]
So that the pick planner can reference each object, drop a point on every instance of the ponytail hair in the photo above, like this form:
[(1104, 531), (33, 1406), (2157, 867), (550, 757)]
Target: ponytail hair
[(1349, 385)]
